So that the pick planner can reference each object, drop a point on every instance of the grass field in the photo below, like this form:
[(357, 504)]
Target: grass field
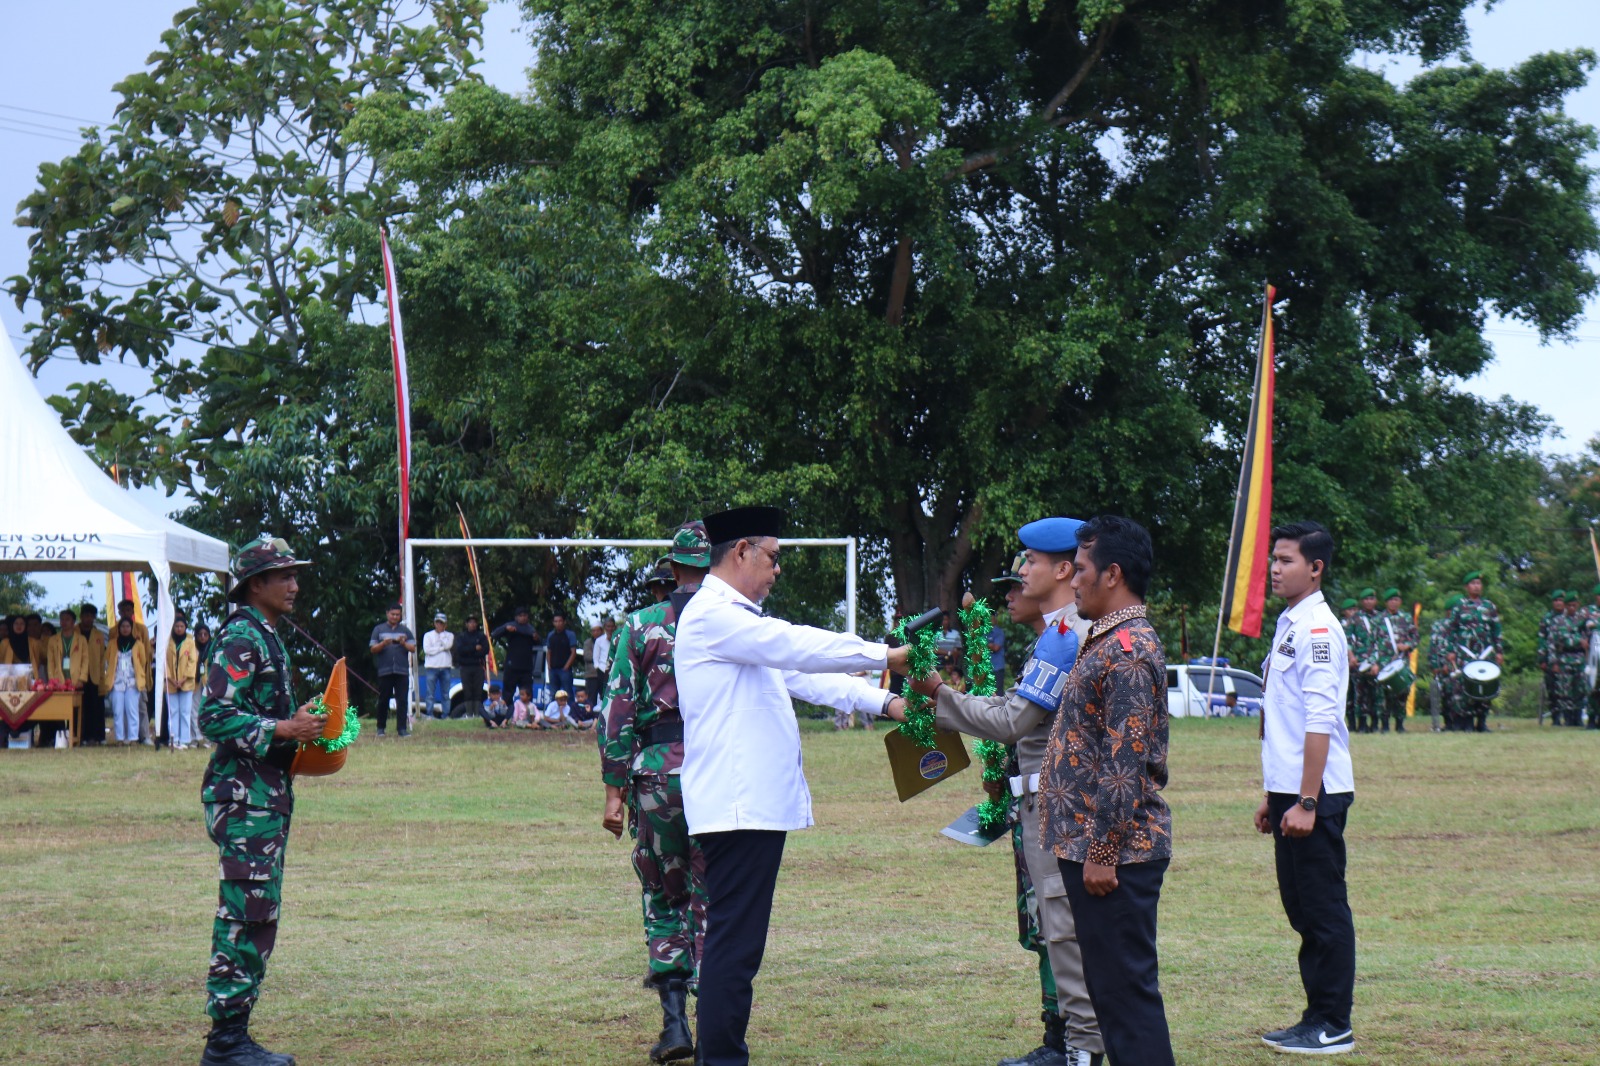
[(452, 899)]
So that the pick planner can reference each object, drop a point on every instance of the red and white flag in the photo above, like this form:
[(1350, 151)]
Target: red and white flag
[(402, 387)]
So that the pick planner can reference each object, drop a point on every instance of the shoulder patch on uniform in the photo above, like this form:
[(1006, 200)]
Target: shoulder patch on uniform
[(1321, 652)]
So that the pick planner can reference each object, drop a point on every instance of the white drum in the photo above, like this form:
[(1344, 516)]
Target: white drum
[(1480, 679)]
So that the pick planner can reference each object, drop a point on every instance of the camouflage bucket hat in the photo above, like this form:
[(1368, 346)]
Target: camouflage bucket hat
[(691, 546), (1012, 576), (661, 575), (264, 553)]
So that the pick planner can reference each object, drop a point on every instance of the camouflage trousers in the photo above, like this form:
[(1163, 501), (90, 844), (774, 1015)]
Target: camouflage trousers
[(1569, 689), (250, 842), (1393, 705), (672, 875), (1367, 697), (1029, 934)]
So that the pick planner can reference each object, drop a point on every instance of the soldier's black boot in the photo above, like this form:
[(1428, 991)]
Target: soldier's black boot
[(675, 1042), (1053, 1051), (229, 1044)]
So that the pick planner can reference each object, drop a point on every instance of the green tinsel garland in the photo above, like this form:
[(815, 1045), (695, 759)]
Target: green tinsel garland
[(976, 622), (920, 658), (352, 729)]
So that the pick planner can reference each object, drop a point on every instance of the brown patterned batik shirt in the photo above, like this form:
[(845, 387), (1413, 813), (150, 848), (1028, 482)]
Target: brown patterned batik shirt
[(1106, 763)]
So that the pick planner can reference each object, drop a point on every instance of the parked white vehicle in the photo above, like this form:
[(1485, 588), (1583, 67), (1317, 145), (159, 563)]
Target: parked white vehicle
[(1188, 685)]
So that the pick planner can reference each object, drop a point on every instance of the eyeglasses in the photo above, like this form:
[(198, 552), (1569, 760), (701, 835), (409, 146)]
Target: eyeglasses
[(769, 553)]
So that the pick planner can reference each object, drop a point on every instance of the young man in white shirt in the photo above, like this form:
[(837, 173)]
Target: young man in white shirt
[(743, 785), (1305, 761), (438, 645)]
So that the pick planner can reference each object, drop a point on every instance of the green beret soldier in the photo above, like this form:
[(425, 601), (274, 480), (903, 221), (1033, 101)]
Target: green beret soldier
[(1347, 621), (1439, 670), (1474, 633), (1542, 654), (248, 714), (640, 733), (1398, 637), (1569, 653), (1366, 651), (1591, 626)]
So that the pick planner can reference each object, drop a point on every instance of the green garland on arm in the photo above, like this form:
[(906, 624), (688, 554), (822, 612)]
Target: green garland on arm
[(352, 729), (920, 657), (976, 622)]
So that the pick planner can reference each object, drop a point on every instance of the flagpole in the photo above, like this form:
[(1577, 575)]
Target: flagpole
[(402, 389), (477, 583), (1238, 495)]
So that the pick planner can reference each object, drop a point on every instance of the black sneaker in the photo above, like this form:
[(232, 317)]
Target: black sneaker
[(1278, 1036), (1318, 1039)]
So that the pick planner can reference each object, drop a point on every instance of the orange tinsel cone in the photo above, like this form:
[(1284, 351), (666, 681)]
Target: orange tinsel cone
[(311, 760)]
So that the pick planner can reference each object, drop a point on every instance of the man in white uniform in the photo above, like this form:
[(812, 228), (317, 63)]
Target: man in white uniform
[(1309, 786), (743, 784)]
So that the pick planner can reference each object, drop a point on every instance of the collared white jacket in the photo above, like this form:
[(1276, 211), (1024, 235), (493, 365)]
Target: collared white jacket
[(738, 673), (1308, 675)]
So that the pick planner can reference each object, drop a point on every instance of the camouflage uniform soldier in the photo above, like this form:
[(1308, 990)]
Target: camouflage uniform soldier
[(641, 751), (1474, 632), (1365, 653), (1397, 638), (248, 714), (1546, 661), (1591, 626), (1030, 930), (1439, 669), (1569, 651), (1347, 621)]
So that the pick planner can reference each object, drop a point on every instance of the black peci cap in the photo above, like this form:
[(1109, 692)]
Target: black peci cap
[(744, 523)]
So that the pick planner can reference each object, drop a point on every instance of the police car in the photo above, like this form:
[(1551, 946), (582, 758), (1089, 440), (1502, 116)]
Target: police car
[(1189, 684)]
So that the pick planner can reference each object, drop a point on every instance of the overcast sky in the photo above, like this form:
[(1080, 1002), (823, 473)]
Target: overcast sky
[(67, 54)]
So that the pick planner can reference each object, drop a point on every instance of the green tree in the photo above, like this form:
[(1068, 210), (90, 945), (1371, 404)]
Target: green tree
[(222, 232), (925, 273), (18, 594)]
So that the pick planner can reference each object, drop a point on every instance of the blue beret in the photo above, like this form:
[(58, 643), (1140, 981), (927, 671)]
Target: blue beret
[(1054, 535)]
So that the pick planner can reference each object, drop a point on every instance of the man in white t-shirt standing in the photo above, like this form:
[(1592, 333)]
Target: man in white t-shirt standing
[(438, 657), (1305, 761)]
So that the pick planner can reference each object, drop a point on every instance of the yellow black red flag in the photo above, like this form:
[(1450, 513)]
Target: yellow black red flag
[(1244, 591)]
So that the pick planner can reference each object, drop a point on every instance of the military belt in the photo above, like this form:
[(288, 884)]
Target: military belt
[(663, 733)]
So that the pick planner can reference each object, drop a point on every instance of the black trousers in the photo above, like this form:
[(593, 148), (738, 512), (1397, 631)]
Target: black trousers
[(1117, 935), (513, 680), (93, 727), (1311, 885), (741, 874), (472, 690), (397, 686)]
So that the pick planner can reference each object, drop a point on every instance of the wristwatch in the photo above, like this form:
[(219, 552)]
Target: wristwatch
[(1308, 802)]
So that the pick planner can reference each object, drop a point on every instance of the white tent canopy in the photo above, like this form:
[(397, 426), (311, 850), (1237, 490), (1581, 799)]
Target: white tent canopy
[(59, 511)]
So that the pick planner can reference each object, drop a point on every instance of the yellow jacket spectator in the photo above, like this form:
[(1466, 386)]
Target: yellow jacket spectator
[(88, 655), (127, 643), (15, 647), (183, 660)]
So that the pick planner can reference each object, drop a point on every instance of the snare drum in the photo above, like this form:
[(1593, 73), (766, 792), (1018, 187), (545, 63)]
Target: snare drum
[(1397, 677), (1480, 679)]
